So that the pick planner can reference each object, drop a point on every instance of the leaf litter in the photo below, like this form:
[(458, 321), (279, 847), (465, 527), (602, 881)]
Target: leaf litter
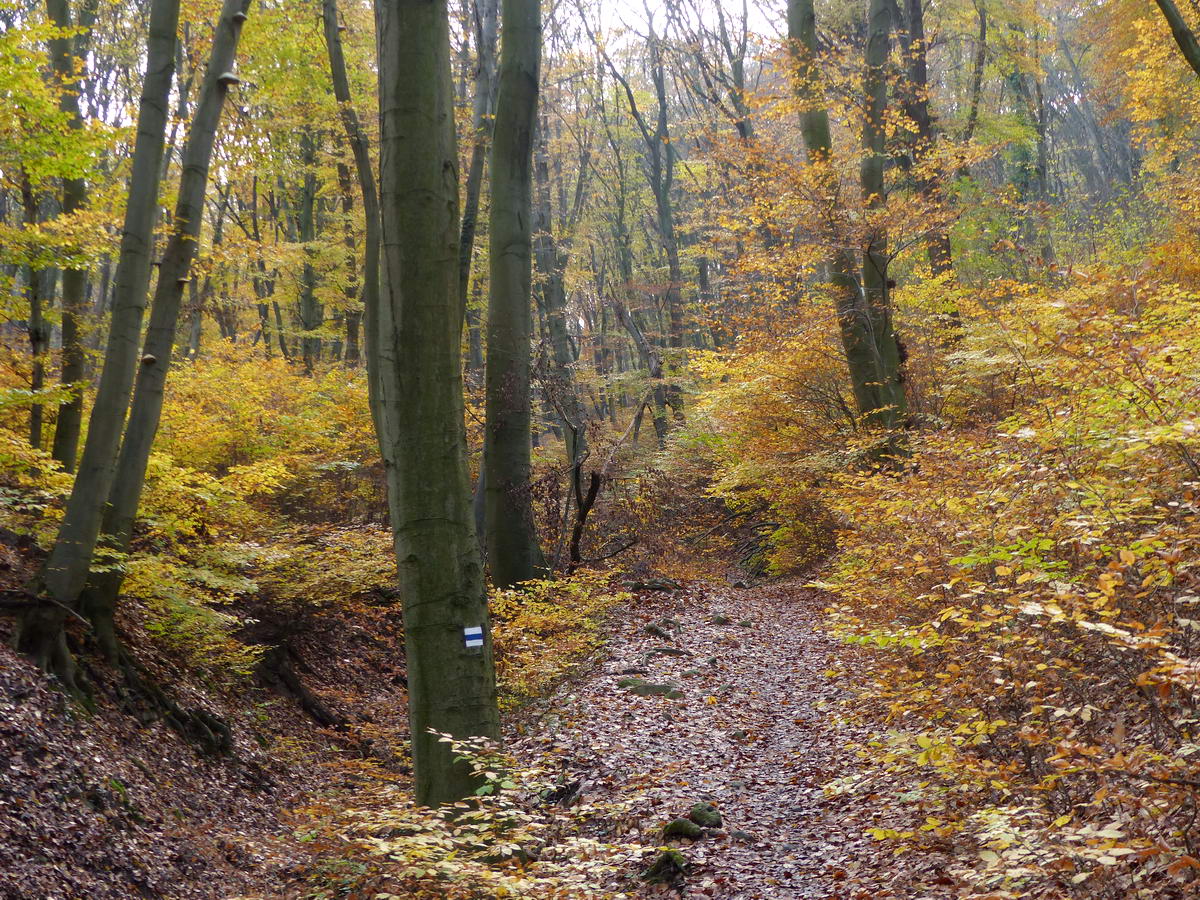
[(757, 730)]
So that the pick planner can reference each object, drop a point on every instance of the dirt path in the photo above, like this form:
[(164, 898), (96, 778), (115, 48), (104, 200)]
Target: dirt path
[(755, 732)]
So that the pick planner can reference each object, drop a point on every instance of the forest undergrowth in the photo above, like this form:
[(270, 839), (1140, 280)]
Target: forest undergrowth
[(483, 449), (984, 680)]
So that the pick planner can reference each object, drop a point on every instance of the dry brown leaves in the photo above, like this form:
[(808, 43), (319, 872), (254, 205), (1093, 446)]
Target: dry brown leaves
[(755, 733)]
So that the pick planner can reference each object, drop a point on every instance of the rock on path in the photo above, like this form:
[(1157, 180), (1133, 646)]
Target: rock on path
[(756, 732)]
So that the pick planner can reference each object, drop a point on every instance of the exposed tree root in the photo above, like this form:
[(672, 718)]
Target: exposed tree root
[(145, 698), (277, 671)]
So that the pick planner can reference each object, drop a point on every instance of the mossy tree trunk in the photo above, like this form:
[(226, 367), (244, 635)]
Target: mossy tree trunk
[(451, 682), (888, 400), (174, 275), (864, 320), (41, 633), (514, 554)]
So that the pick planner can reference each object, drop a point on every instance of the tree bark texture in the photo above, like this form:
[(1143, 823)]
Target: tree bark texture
[(174, 276), (451, 685), (514, 554), (66, 568)]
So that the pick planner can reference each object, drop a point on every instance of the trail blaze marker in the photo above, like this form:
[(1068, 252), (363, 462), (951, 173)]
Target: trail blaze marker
[(473, 637)]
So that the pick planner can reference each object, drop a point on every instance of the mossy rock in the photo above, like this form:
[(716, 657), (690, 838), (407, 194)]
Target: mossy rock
[(705, 815), (659, 632), (745, 623), (669, 867), (683, 828), (719, 620), (644, 688), (669, 651), (655, 584)]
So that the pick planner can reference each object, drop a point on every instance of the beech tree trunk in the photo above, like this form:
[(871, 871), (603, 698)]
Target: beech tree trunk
[(361, 151), (660, 162), (864, 324), (312, 315), (41, 632), (888, 401), (481, 131), (514, 554), (39, 329), (451, 674), (916, 108), (551, 259), (174, 275), (67, 51)]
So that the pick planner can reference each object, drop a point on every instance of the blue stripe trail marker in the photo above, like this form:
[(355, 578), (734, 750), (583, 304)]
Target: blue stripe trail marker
[(473, 637)]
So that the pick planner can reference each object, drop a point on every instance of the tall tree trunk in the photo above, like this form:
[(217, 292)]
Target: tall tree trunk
[(514, 554), (65, 572), (662, 185), (451, 673), (888, 403), (660, 157), (311, 314), (353, 317), (174, 274), (67, 52), (916, 107), (361, 151), (854, 322), (977, 73), (1038, 112), (39, 329), (264, 285), (551, 260), (481, 132)]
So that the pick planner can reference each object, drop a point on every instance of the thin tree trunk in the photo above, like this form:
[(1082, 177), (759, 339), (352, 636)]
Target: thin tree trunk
[(977, 72), (451, 673), (916, 107), (514, 554), (552, 260), (311, 314), (39, 330), (65, 572), (660, 155), (174, 274), (67, 51), (361, 152), (481, 131), (352, 316), (196, 321), (652, 360)]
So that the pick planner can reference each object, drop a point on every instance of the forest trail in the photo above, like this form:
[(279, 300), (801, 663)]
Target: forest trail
[(757, 732)]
